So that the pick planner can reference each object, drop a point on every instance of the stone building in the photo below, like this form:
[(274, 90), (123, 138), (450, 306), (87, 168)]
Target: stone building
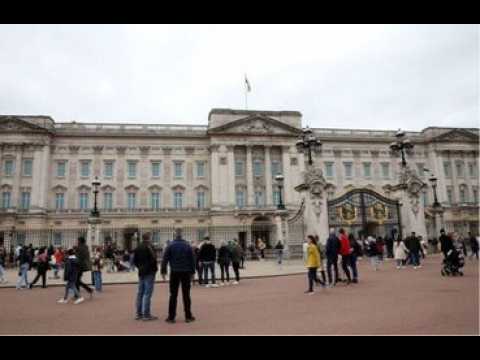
[(217, 179)]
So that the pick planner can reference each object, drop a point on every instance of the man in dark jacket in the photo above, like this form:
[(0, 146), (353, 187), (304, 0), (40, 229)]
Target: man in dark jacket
[(415, 248), (145, 260), (179, 255), (208, 255), (83, 256), (446, 243), (473, 244), (331, 251)]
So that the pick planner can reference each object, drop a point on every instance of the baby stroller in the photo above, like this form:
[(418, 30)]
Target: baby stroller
[(453, 263)]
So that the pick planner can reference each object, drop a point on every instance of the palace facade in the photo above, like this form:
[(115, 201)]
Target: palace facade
[(216, 179)]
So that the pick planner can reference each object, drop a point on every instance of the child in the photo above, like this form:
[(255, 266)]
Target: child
[(97, 269), (70, 276)]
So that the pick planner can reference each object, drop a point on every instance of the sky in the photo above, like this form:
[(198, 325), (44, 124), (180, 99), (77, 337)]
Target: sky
[(337, 76)]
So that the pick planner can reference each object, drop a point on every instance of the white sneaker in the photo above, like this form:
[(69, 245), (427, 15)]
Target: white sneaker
[(235, 283), (79, 301), (398, 267), (208, 286), (62, 301), (415, 268), (215, 286), (223, 284)]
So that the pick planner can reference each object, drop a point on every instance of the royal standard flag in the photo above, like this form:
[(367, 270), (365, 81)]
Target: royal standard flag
[(247, 84)]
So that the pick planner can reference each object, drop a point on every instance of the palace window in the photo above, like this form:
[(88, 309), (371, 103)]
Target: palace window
[(6, 199), (367, 170), (178, 169), (472, 170), (259, 199), (348, 169), (329, 169), (178, 199), (9, 167), (25, 200), (239, 168), (131, 201), (240, 198), (108, 169), (463, 194), (85, 168), (156, 169), (200, 199), (460, 169), (257, 168), (155, 200), (84, 201), (276, 197), (200, 169), (59, 201), (447, 169), (450, 195), (386, 170), (108, 201), (475, 195), (27, 169), (132, 169), (61, 169), (276, 168)]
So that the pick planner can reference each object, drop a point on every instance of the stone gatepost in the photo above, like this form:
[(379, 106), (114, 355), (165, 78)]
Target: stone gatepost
[(93, 233), (313, 193), (281, 224), (412, 211)]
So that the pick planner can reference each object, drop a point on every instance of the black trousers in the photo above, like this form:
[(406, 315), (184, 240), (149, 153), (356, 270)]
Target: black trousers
[(41, 273), (346, 262), (236, 267), (80, 283), (225, 269), (177, 279), (332, 262)]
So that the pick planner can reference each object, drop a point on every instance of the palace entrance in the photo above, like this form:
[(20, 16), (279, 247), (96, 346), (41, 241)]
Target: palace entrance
[(262, 229), (364, 212)]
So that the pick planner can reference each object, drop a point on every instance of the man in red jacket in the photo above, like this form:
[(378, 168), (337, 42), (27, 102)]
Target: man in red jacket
[(345, 251)]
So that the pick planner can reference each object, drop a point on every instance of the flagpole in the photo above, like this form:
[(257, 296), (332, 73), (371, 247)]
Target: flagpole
[(246, 92)]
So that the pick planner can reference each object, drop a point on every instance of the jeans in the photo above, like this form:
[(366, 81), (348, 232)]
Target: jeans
[(332, 261), (206, 266), (177, 279), (280, 257), (81, 284), (71, 285), (224, 268), (236, 267), (312, 277), (144, 295), (353, 263), (200, 273), (23, 275), (2, 273), (346, 262), (415, 256), (97, 280)]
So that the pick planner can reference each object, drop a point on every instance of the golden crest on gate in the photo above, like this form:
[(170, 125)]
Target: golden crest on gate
[(347, 212), (379, 212)]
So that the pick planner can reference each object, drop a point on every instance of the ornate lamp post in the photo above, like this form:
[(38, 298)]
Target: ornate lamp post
[(308, 143), (96, 185), (401, 145), (433, 180), (280, 178)]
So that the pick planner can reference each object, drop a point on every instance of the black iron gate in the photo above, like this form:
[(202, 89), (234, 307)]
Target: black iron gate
[(364, 212)]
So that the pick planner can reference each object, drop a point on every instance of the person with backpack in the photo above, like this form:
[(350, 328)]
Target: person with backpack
[(97, 266), (332, 250), (279, 250), (415, 249), (83, 256), (224, 259), (208, 255), (236, 253), (70, 275)]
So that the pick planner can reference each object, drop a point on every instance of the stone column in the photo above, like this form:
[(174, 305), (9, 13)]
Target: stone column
[(268, 176), (231, 175), (1, 162), (17, 176), (287, 174), (121, 175), (214, 171), (250, 190)]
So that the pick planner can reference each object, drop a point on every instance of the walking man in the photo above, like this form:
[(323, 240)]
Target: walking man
[(236, 253), (345, 251), (332, 250), (473, 245), (179, 255), (415, 249), (83, 257), (146, 262), (208, 255)]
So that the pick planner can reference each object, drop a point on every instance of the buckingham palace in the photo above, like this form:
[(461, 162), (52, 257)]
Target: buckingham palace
[(218, 179)]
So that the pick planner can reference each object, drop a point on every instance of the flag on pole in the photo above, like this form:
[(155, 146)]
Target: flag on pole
[(247, 84)]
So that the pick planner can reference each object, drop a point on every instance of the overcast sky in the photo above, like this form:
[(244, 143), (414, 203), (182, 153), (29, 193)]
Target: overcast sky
[(338, 76)]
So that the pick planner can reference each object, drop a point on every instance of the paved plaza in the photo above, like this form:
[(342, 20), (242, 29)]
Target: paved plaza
[(389, 301)]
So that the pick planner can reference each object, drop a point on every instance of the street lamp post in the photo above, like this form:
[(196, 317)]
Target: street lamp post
[(433, 180), (308, 143), (96, 185), (279, 178), (401, 145)]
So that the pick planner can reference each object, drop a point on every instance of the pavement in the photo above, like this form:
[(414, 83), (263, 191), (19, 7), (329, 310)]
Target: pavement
[(388, 301), (253, 269)]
